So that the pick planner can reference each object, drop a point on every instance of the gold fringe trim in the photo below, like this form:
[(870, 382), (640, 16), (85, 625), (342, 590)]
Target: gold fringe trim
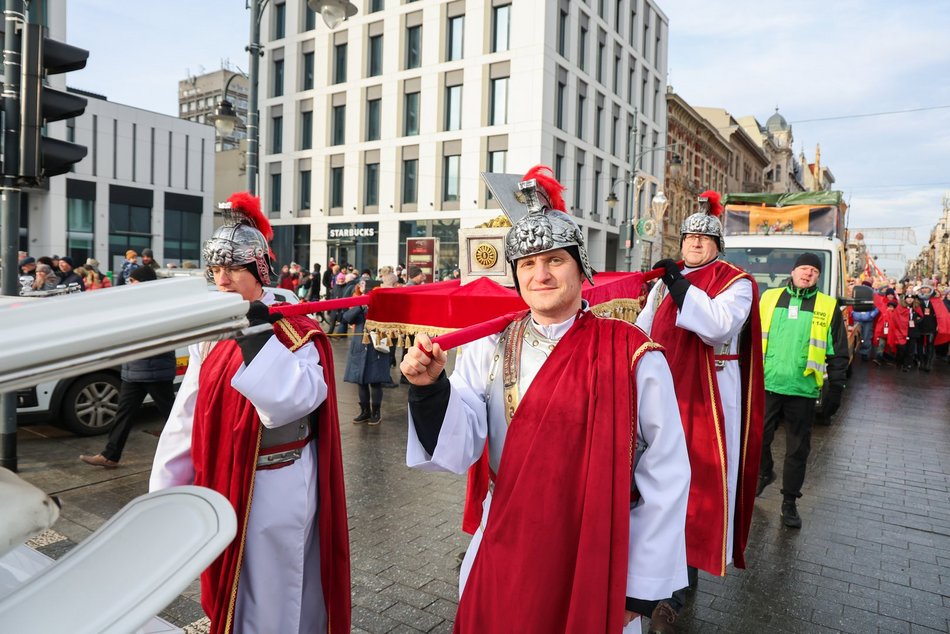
[(623, 308), (400, 335)]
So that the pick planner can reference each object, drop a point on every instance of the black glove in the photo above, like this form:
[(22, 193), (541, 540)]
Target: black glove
[(833, 399), (258, 314), (674, 280)]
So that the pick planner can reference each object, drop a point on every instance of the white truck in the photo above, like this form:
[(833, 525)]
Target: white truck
[(765, 234)]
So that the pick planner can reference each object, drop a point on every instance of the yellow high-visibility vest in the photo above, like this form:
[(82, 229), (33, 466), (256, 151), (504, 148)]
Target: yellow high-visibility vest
[(818, 338)]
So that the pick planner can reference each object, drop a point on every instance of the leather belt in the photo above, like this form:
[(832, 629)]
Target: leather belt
[(282, 455), (722, 358)]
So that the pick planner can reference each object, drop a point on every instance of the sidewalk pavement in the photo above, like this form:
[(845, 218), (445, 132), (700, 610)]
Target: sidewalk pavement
[(873, 555)]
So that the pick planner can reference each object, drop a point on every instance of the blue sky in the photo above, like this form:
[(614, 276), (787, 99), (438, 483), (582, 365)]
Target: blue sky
[(812, 59)]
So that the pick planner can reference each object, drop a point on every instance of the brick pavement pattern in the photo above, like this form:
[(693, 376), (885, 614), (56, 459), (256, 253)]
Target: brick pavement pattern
[(873, 555)]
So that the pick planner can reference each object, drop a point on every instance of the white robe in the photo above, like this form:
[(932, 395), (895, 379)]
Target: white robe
[(657, 556), (717, 321), (281, 564)]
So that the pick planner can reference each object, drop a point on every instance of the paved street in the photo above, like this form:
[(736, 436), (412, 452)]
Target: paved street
[(873, 555)]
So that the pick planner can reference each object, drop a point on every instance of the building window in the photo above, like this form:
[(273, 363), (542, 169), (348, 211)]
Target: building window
[(339, 125), (411, 116), (308, 71), (578, 186), (598, 126), (278, 86), (336, 187), (498, 96), (500, 28), (454, 38), (130, 227), (310, 19), (414, 46), (305, 189), (277, 135), (375, 56), (375, 5), (371, 197), (563, 19), (275, 192), (182, 229), (280, 21), (600, 61), (306, 130), (374, 108), (560, 103), (453, 108), (496, 165), (410, 181), (582, 48), (450, 177), (339, 63), (559, 166), (80, 228), (581, 100)]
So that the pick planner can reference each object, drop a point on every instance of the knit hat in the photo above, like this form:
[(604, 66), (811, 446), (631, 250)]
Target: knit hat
[(143, 274), (808, 259), (147, 253), (68, 260), (92, 262), (892, 303), (27, 260)]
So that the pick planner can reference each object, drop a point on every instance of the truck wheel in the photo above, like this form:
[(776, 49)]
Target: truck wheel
[(90, 404)]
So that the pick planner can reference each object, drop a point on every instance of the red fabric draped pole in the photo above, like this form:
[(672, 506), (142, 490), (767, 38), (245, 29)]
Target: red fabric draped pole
[(305, 308)]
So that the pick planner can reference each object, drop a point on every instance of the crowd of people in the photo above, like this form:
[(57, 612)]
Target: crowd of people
[(901, 329), (52, 273)]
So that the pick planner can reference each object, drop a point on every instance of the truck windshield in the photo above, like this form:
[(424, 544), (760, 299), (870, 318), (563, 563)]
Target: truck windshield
[(771, 266)]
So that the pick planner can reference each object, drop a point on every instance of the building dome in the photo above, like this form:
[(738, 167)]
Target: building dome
[(776, 123)]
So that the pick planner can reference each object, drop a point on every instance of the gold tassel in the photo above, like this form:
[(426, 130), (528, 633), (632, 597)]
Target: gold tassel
[(366, 338)]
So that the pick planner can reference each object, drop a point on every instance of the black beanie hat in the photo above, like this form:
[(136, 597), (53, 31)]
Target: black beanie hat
[(143, 274), (808, 259)]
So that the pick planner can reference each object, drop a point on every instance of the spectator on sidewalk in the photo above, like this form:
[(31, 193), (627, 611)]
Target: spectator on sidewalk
[(130, 264), (148, 259), (69, 276), (153, 376)]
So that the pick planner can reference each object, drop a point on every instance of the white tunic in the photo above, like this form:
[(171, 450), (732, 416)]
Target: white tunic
[(718, 322), (279, 588), (657, 557)]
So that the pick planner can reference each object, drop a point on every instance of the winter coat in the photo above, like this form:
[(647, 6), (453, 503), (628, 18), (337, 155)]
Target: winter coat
[(364, 364), (161, 367), (896, 335)]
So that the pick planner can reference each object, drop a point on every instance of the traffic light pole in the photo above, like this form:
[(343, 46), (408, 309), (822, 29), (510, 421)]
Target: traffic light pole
[(15, 17)]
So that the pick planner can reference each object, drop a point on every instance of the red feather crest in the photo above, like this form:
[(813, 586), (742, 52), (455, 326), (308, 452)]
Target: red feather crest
[(713, 200), (552, 188), (246, 208)]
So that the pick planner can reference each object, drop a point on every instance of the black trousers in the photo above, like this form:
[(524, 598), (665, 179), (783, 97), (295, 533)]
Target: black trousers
[(798, 413), (377, 392), (131, 396)]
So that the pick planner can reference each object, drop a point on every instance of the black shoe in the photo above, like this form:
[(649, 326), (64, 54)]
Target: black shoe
[(374, 417), (390, 385), (790, 515), (364, 415), (662, 619), (877, 362), (764, 481)]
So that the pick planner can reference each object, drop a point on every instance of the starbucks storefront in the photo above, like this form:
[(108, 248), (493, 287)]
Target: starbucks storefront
[(355, 243)]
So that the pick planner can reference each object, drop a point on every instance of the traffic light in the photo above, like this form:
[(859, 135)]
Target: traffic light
[(42, 156)]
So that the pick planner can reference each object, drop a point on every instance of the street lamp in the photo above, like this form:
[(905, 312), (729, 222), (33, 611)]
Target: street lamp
[(636, 180), (333, 12), (225, 118)]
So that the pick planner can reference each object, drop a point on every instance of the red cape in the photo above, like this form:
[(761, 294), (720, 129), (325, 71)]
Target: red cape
[(225, 457), (697, 392), (553, 557)]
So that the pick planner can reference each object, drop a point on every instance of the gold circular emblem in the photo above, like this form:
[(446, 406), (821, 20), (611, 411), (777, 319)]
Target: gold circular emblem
[(486, 255)]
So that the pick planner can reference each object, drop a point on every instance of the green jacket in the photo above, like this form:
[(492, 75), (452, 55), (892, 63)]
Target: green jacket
[(786, 355)]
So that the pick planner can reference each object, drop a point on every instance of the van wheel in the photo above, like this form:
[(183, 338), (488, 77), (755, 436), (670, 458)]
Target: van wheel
[(90, 404)]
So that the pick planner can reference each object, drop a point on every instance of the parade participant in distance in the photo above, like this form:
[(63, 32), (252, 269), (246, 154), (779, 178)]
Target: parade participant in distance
[(258, 416), (590, 472), (706, 317), (803, 337)]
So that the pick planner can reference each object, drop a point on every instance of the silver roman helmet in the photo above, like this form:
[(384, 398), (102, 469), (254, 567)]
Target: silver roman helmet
[(242, 239), (546, 226), (706, 221)]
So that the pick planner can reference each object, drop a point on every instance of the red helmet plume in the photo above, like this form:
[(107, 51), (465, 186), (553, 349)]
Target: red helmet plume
[(246, 208), (550, 185), (712, 200)]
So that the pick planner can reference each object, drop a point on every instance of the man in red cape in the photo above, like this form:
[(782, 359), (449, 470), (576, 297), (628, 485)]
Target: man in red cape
[(706, 316), (256, 419), (589, 469)]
